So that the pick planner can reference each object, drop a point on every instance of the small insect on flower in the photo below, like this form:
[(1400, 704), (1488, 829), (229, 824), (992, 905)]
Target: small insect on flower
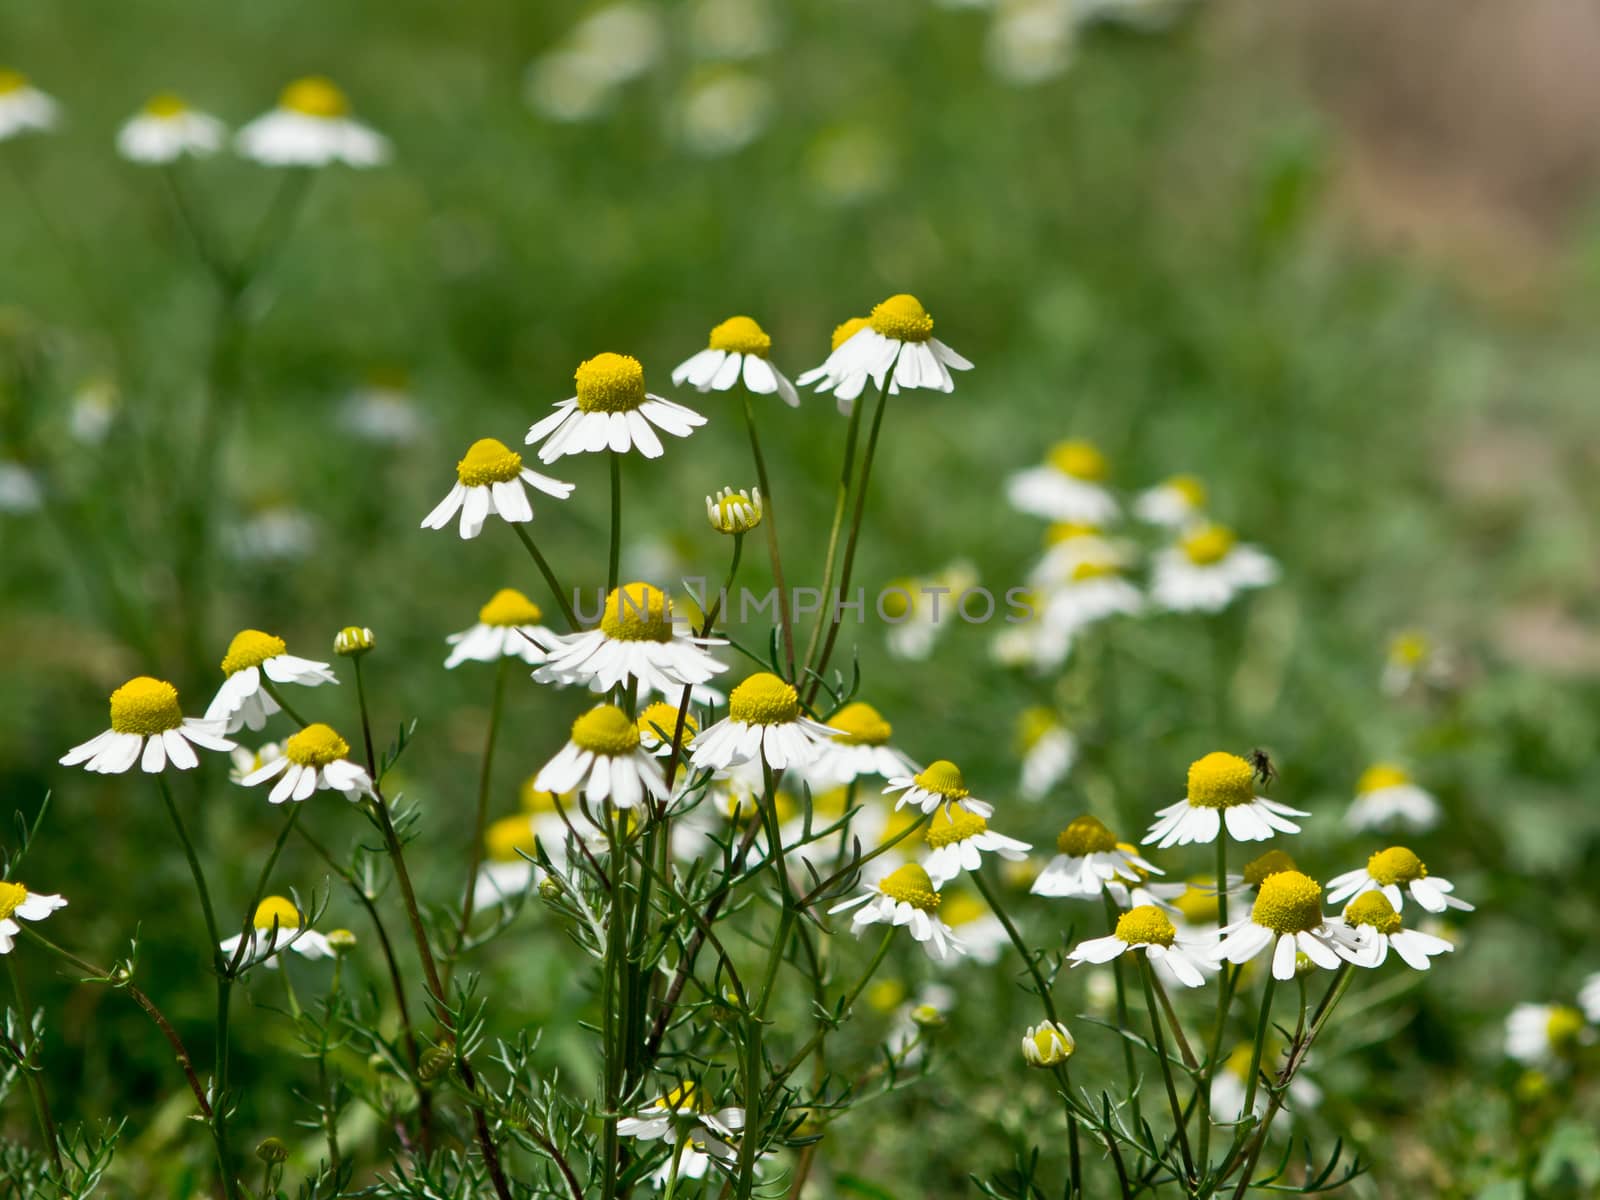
[(735, 512), (958, 840), (276, 926), (1287, 916), (508, 627), (764, 722), (906, 896), (23, 107), (166, 129), (611, 411), (1397, 872), (311, 127), (1089, 857), (243, 699), (1048, 751), (1376, 921), (1069, 486), (1221, 792), (1386, 798), (938, 784), (1545, 1034), (1206, 570), (896, 344), (637, 641), (1047, 1044), (739, 348), (604, 757), (1149, 929), (1265, 771), (1173, 503), (859, 749), (491, 477), (315, 759), (17, 901), (149, 728)]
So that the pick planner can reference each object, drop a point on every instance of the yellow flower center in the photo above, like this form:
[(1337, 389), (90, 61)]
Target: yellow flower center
[(1408, 648), (945, 778), (1086, 835), (1207, 545), (606, 730), (962, 908), (1190, 488), (1270, 863), (1374, 909), (859, 724), (637, 612), (12, 81), (896, 601), (683, 1098), (1198, 906), (11, 895), (1033, 725), (316, 746), (165, 105), (1146, 925), (610, 383), (902, 318), (764, 699), (1079, 459), (1066, 531), (950, 827), (507, 836), (1563, 1026), (741, 335), (314, 96), (509, 607), (276, 910), (251, 648), (735, 511), (885, 995), (1221, 780), (1051, 1047), (1090, 569), (145, 706), (910, 885), (1381, 775), (843, 333), (487, 461), (1395, 865), (660, 721), (1288, 902)]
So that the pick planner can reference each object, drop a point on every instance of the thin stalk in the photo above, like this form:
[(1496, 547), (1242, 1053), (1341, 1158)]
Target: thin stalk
[(366, 722), (611, 1004), (36, 1093), (841, 497), (550, 579), (1166, 1066), (485, 773), (770, 520), (272, 690), (613, 569), (1263, 1023), (1122, 1016)]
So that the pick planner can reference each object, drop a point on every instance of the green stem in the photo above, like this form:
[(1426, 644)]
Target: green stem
[(485, 773), (1112, 916), (1263, 1023), (611, 1005), (613, 570), (366, 722), (840, 500), (770, 520), (550, 580), (1147, 973), (272, 690), (30, 1072)]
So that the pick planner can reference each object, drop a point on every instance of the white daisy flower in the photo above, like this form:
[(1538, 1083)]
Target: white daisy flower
[(1047, 749), (658, 725), (1069, 486), (896, 343), (1028, 642), (1375, 919), (859, 748), (1174, 503), (693, 1156), (1047, 1044), (315, 759), (276, 926), (1094, 592), (1540, 1035), (939, 783), (244, 761), (17, 901), (611, 411), (95, 405), (1411, 658), (636, 640), (1589, 997), (764, 722), (1397, 871), (958, 840), (149, 728), (23, 107), (1286, 916), (243, 700), (1149, 929), (311, 127), (604, 758), (490, 478), (1256, 870), (906, 896), (1206, 570), (735, 512), (738, 350), (1068, 545), (382, 410), (508, 627), (1221, 792), (19, 488), (683, 1114), (1387, 798), (166, 129)]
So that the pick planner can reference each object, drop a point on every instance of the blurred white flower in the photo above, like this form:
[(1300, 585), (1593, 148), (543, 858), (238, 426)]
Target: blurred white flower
[(1206, 570), (1387, 798), (19, 489), (94, 409), (311, 127), (1031, 41), (382, 410), (918, 610), (1048, 749), (723, 112), (565, 86), (166, 129), (1173, 503), (1542, 1034), (273, 534), (573, 81), (732, 29), (1068, 486), (23, 107)]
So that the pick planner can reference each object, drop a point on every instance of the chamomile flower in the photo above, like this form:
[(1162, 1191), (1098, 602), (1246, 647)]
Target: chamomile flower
[(1206, 570), (508, 627), (735, 512), (1256, 870), (1397, 871), (1088, 857), (764, 722), (166, 129), (1221, 792), (149, 728), (1048, 1044), (658, 725), (23, 107), (1286, 916), (1372, 916), (1070, 545), (958, 840), (938, 784), (1387, 798), (895, 343), (1048, 750), (1094, 592), (738, 349), (905, 896), (315, 759), (611, 411), (276, 926), (604, 758), (684, 1113), (244, 761), (490, 478), (1412, 658), (311, 127), (859, 747), (1149, 929), (508, 869), (1174, 503), (17, 901), (1543, 1034), (243, 699), (382, 410), (635, 641), (1069, 486), (19, 488)]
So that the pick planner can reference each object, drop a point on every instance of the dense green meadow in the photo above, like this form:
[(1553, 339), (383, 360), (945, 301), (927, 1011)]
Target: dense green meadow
[(1145, 250)]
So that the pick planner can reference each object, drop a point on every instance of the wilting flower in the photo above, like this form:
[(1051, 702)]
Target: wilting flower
[(147, 727), (166, 129), (896, 344), (315, 759), (243, 699), (611, 411), (1149, 929), (1221, 791), (311, 127), (738, 349), (906, 896), (17, 901), (1387, 797), (604, 758), (1069, 486), (491, 477), (764, 722), (1206, 570), (508, 627), (276, 926), (1396, 872)]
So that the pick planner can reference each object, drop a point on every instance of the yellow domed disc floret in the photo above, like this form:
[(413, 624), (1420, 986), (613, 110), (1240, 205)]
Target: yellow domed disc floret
[(902, 318), (683, 1098), (1090, 569), (741, 335), (1079, 459), (488, 461), (859, 724), (660, 721), (1066, 531), (1288, 902), (1221, 780), (1409, 647), (145, 706), (606, 730), (637, 612), (1381, 775), (11, 81), (509, 607), (314, 96), (251, 648), (944, 778), (11, 895), (1146, 925), (1207, 545), (843, 333), (1190, 488), (961, 908), (1563, 1026), (1086, 835), (276, 910), (1198, 905), (1273, 861), (1396, 865), (610, 383), (911, 885), (949, 827), (764, 699), (165, 104), (316, 746), (1374, 909), (508, 835)]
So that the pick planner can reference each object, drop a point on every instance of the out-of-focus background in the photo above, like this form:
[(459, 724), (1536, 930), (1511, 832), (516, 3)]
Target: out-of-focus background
[(1340, 261)]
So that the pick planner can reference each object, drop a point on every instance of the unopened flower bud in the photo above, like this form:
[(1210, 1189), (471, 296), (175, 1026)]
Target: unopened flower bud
[(732, 511), (342, 941), (926, 1016), (549, 888), (435, 1062), (1047, 1044), (272, 1150), (353, 641)]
